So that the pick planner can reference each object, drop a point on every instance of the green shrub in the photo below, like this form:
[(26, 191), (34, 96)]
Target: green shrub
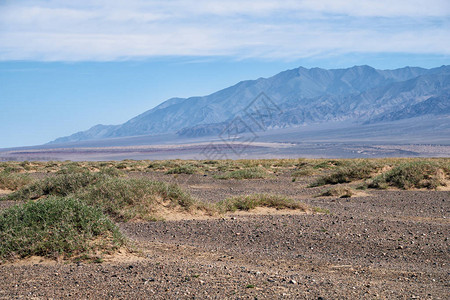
[(323, 165), (121, 198), (125, 198), (122, 166), (186, 169), (55, 227), (13, 169), (259, 200), (59, 185), (163, 164), (26, 165), (418, 174), (354, 170), (303, 172), (13, 181), (248, 173), (52, 166), (71, 170), (113, 172)]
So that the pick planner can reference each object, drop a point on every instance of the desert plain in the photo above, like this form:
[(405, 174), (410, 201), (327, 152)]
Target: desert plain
[(354, 232)]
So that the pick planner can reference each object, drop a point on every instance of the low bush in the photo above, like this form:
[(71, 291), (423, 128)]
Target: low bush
[(59, 185), (113, 172), (121, 198), (12, 168), (353, 170), (163, 164), (259, 200), (417, 174), (125, 199), (71, 169), (303, 172), (248, 173), (55, 227), (185, 169), (13, 181)]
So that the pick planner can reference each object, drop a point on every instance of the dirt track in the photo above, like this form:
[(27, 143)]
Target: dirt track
[(387, 245)]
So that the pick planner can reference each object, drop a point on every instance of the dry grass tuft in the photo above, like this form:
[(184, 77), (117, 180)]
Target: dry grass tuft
[(339, 191)]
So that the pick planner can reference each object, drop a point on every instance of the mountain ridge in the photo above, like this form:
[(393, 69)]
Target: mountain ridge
[(361, 94)]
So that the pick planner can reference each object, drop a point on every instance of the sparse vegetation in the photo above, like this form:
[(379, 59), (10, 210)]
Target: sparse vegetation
[(248, 173), (72, 168), (259, 200), (121, 198), (59, 185), (110, 171), (125, 198), (417, 174), (357, 170), (187, 169), (77, 202), (55, 227), (13, 181), (303, 172)]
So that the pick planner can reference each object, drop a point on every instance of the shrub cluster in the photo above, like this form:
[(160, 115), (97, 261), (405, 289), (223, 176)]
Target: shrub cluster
[(13, 181), (60, 185), (71, 215), (418, 174), (187, 169), (259, 200), (127, 198), (247, 173), (350, 172), (55, 227)]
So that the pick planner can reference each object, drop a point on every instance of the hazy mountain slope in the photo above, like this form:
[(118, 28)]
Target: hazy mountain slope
[(96, 132), (302, 95), (394, 101), (433, 106)]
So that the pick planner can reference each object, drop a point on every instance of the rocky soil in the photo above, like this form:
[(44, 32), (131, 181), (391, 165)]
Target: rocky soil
[(385, 245)]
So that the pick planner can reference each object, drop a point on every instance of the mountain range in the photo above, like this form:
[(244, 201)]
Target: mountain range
[(359, 95)]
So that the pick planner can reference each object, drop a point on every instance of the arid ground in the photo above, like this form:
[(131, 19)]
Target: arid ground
[(376, 244)]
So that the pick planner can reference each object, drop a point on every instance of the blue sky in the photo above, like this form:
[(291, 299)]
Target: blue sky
[(68, 65)]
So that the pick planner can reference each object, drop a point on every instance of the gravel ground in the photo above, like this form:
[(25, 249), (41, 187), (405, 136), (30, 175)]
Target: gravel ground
[(386, 245)]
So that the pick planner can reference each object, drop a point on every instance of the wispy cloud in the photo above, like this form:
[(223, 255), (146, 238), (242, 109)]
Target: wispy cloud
[(103, 30)]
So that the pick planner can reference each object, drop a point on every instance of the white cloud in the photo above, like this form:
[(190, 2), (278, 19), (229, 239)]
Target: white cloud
[(110, 30)]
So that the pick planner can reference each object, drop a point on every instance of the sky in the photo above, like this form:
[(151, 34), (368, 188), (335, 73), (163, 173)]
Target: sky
[(66, 66)]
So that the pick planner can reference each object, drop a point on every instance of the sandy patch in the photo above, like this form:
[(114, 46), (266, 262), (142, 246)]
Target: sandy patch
[(360, 194), (33, 260), (170, 215), (123, 255), (167, 214), (5, 192), (446, 187)]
